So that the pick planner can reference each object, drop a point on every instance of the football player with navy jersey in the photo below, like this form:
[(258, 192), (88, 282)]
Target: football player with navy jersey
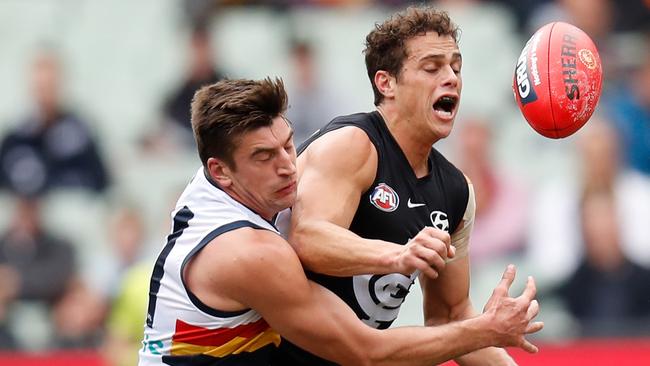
[(377, 205)]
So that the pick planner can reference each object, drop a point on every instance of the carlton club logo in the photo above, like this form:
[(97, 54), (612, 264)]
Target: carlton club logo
[(384, 198), (439, 220)]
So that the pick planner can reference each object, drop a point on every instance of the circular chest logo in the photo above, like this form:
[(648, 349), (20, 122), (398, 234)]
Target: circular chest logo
[(587, 58), (439, 220), (384, 198)]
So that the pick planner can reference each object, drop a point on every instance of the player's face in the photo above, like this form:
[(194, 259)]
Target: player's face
[(429, 85), (265, 175)]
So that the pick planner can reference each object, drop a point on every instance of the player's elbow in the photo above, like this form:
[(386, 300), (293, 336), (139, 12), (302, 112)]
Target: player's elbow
[(446, 313), (359, 358), (365, 348), (366, 356), (374, 350)]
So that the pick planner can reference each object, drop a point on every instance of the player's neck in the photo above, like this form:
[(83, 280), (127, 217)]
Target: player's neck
[(250, 203), (414, 145), (243, 198)]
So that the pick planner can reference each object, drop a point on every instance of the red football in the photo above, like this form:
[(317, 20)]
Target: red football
[(558, 79)]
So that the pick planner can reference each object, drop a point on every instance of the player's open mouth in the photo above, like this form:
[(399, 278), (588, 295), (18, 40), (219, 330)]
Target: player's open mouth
[(445, 106)]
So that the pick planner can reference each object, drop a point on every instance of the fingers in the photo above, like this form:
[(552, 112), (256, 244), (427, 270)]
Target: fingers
[(531, 290), (529, 347), (435, 239), (431, 257), (506, 280), (534, 327), (411, 262), (451, 251), (533, 310), (437, 234), (428, 262), (428, 271), (426, 252)]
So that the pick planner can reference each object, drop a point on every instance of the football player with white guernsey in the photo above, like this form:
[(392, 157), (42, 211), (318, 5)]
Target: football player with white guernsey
[(226, 284), (377, 204)]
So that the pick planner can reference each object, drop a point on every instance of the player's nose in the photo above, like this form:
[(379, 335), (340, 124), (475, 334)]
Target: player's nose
[(286, 164), (450, 78)]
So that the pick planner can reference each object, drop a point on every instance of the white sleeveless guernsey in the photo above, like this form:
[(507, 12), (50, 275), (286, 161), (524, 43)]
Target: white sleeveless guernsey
[(180, 329)]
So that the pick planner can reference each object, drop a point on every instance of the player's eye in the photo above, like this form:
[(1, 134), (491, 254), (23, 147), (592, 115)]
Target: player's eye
[(263, 156)]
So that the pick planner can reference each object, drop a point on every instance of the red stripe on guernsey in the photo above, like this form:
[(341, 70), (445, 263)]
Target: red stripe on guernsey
[(199, 336)]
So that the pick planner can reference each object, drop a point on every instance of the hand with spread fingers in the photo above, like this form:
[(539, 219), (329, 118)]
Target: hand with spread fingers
[(513, 316)]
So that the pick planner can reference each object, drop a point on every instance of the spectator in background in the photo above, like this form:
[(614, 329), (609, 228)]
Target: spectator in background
[(78, 317), (200, 11), (52, 148), (177, 129), (555, 225), (100, 305), (124, 325), (629, 106), (35, 266), (608, 294), (632, 15), (594, 17), (311, 104), (501, 199), (127, 237)]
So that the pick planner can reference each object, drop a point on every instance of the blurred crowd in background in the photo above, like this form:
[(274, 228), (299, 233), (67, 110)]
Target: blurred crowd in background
[(96, 145)]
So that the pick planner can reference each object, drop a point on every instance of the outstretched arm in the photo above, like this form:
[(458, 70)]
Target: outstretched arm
[(257, 269)]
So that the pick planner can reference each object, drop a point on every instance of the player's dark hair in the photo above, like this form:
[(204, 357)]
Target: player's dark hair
[(385, 45), (224, 111)]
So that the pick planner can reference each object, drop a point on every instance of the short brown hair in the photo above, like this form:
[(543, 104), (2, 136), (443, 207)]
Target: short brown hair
[(223, 111), (385, 45)]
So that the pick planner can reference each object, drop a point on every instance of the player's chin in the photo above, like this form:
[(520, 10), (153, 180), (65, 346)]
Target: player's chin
[(285, 200), (442, 129)]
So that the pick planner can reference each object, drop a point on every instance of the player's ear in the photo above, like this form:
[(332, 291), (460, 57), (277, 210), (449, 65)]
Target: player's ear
[(220, 172), (385, 83)]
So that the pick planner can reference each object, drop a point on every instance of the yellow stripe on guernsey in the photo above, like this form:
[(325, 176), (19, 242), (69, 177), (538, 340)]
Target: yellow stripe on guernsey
[(193, 340)]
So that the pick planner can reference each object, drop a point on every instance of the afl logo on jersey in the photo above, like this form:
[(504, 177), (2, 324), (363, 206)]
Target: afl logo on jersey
[(384, 198)]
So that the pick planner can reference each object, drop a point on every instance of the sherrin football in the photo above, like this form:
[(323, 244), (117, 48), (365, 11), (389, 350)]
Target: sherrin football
[(558, 79)]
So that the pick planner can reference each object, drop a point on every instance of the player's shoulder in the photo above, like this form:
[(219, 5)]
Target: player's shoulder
[(363, 121), (343, 148), (246, 263), (347, 134), (346, 150), (248, 247)]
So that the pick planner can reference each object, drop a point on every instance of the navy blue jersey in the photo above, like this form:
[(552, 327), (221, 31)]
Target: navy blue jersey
[(395, 208)]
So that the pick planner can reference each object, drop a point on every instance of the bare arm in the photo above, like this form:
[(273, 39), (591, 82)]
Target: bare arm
[(333, 173), (446, 299), (264, 273)]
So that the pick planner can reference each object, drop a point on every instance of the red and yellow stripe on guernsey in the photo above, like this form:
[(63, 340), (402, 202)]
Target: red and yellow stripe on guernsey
[(192, 340)]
